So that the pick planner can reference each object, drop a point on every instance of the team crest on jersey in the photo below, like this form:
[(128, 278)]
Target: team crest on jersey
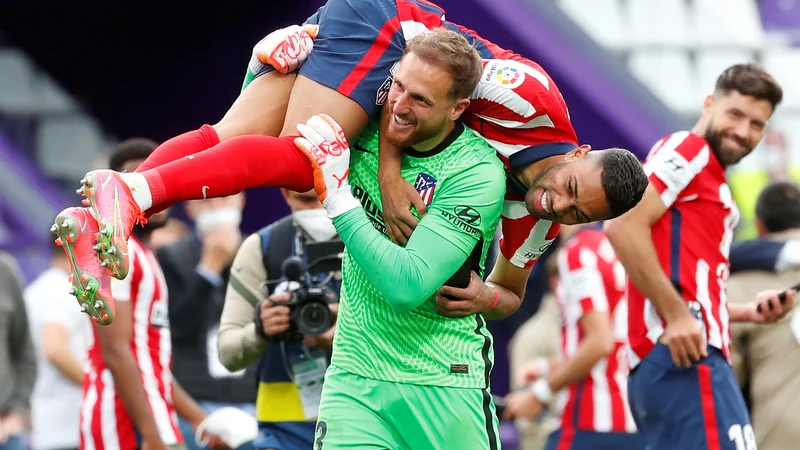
[(425, 185), (383, 92), (504, 73)]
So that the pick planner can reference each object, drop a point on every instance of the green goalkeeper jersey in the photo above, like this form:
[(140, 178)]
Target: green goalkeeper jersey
[(388, 328)]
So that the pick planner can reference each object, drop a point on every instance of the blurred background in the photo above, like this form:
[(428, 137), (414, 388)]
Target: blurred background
[(75, 78)]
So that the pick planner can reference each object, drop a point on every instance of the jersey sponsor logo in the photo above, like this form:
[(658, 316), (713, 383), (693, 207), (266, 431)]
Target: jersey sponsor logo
[(374, 213), (504, 73), (458, 222), (672, 169), (468, 214), (159, 316), (357, 146), (425, 185)]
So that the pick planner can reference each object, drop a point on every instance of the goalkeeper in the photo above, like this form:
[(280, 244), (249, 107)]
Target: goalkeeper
[(401, 375)]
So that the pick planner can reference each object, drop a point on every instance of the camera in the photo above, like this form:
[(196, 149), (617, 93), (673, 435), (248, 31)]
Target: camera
[(310, 314)]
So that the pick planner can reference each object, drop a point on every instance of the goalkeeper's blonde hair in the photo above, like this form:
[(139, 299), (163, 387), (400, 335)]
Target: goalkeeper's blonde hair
[(452, 52)]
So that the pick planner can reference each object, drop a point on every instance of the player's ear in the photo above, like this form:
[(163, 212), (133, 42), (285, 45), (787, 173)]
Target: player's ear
[(708, 103), (577, 152), (459, 108)]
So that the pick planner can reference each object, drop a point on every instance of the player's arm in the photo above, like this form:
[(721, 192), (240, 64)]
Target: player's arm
[(397, 195), (409, 275), (115, 345), (502, 291), (239, 343), (670, 171), (193, 413), (630, 235)]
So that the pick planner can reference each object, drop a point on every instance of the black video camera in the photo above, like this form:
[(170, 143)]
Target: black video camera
[(309, 303)]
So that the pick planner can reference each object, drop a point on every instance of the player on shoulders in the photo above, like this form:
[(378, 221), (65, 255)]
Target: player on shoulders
[(675, 246), (552, 179)]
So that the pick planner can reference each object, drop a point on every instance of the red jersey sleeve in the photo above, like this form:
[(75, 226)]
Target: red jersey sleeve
[(524, 237), (674, 162), (582, 273)]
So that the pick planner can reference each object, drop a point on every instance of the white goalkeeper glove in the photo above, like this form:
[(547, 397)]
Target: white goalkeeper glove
[(324, 144), (285, 49)]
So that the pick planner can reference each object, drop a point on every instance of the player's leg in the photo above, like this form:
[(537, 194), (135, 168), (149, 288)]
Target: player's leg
[(348, 73), (678, 407), (259, 109), (718, 381), (431, 417), (358, 42), (348, 414)]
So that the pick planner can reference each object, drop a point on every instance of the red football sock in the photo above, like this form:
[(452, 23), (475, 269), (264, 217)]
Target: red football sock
[(230, 167), (176, 148)]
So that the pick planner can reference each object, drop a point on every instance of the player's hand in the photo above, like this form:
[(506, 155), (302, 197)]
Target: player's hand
[(285, 49), (324, 341), (473, 299), (772, 309), (398, 197), (323, 142), (211, 441), (275, 316), (686, 340), (522, 403)]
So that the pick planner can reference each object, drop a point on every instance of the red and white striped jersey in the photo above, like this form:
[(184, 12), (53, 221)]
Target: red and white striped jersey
[(692, 239), (520, 112), (105, 423), (593, 279)]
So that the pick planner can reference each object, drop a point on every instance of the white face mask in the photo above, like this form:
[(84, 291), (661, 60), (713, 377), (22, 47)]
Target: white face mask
[(315, 223), (208, 220)]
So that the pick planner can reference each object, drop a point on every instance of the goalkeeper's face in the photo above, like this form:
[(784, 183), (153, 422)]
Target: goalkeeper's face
[(420, 112)]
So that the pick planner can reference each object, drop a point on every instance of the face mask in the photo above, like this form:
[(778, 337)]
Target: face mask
[(315, 223), (208, 220)]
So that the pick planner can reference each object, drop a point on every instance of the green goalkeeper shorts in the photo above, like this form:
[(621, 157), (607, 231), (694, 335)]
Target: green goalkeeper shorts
[(361, 413)]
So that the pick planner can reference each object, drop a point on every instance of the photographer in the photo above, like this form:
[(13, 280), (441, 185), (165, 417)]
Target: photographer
[(291, 365)]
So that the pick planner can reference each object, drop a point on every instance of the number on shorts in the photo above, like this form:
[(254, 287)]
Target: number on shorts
[(742, 436), (319, 434)]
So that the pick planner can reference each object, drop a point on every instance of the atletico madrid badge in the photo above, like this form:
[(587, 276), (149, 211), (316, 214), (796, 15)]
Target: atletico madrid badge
[(425, 185)]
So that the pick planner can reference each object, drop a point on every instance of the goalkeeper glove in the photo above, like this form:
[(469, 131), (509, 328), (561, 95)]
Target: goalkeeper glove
[(285, 49), (324, 144)]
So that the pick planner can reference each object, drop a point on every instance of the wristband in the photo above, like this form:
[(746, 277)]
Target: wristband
[(496, 299), (541, 390)]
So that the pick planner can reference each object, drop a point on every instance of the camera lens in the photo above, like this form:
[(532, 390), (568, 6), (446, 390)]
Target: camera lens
[(314, 318)]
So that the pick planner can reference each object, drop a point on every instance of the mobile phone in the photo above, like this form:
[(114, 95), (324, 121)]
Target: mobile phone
[(782, 295)]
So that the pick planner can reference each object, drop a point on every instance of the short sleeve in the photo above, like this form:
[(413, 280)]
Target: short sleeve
[(524, 237), (674, 162), (582, 279)]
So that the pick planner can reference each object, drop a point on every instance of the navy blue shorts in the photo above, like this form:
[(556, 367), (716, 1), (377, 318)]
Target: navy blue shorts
[(592, 440), (359, 42), (700, 407)]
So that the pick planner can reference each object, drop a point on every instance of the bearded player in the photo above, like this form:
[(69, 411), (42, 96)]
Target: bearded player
[(516, 107)]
